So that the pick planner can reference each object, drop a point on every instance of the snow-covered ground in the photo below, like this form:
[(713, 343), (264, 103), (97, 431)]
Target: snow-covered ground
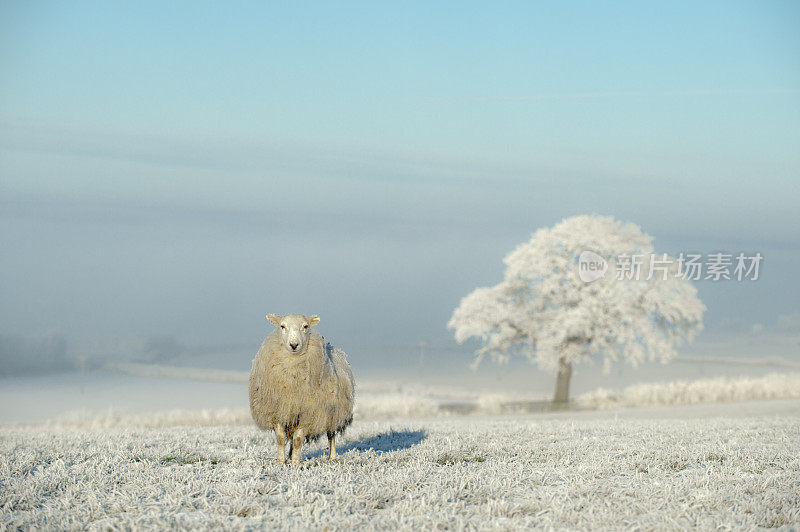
[(729, 465), (157, 396), (167, 446), (686, 392)]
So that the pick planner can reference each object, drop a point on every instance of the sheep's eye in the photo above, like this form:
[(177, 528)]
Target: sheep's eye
[(305, 326), (283, 327)]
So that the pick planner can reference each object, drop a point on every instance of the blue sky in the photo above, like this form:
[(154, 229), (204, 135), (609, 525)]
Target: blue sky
[(186, 167)]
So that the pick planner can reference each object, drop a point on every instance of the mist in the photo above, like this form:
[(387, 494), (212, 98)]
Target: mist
[(383, 260)]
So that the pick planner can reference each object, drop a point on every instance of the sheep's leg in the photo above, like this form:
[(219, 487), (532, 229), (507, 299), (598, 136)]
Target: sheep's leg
[(331, 445), (280, 437), (297, 442)]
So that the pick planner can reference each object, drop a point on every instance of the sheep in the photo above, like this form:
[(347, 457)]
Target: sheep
[(300, 386)]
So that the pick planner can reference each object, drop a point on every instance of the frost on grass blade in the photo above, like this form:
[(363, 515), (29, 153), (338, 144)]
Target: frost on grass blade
[(590, 470)]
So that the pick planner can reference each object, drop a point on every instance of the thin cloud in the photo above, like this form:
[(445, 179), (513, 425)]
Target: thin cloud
[(610, 95)]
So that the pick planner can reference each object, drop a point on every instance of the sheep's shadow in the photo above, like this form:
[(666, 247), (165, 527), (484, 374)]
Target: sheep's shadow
[(385, 442)]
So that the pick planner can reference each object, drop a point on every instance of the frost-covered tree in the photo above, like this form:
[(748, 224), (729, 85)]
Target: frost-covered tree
[(641, 307)]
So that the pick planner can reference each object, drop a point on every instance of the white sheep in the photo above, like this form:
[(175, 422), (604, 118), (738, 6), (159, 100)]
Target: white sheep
[(300, 386)]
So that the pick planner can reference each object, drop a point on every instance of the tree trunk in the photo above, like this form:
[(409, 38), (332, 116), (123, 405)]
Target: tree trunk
[(561, 397)]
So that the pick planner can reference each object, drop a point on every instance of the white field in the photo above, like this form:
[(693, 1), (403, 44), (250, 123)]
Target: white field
[(729, 465), (175, 447), (200, 400)]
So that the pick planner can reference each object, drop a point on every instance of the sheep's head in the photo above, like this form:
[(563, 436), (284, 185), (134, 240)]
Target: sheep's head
[(294, 330)]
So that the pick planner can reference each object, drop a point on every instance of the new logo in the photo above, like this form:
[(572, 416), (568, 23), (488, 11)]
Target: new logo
[(591, 266)]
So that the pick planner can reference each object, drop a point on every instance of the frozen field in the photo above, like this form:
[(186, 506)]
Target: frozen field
[(731, 465)]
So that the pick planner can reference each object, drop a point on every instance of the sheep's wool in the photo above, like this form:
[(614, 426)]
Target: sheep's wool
[(313, 389)]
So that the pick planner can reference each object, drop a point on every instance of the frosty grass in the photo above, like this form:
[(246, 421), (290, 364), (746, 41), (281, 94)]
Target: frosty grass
[(475, 472)]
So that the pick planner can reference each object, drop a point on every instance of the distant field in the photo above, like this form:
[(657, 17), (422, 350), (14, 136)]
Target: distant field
[(731, 466)]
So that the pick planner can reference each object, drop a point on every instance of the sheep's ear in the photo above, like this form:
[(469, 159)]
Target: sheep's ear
[(274, 319), (313, 320)]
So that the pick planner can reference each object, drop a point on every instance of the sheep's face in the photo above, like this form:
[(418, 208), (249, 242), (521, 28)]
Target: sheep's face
[(294, 330)]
